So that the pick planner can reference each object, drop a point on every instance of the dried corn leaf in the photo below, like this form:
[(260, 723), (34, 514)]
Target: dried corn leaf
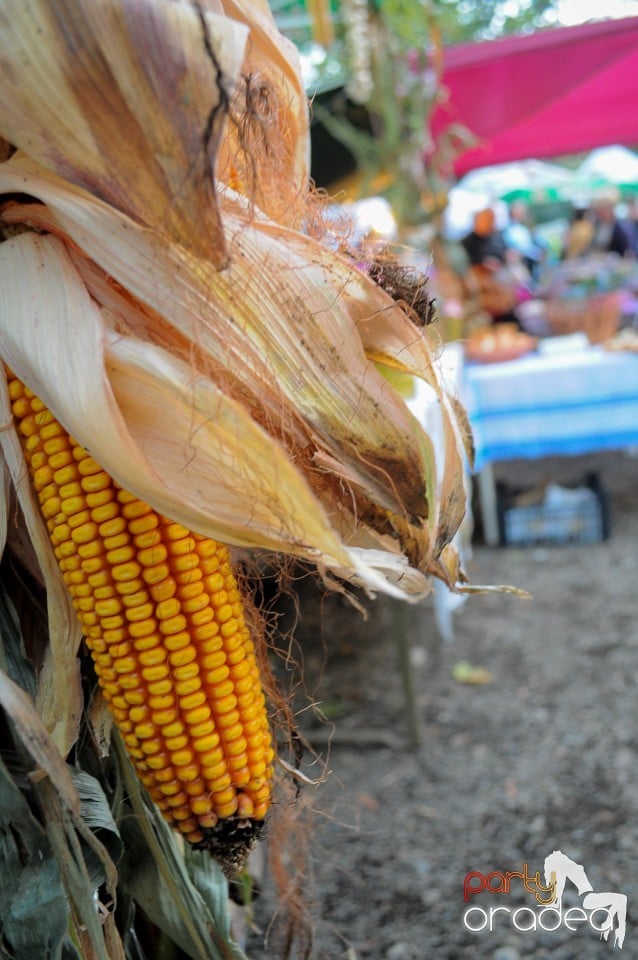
[(365, 447), (190, 907), (177, 442), (127, 99)]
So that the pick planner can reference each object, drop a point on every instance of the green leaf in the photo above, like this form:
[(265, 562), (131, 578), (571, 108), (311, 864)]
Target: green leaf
[(96, 813), (210, 882), (156, 876), (33, 909), (13, 659)]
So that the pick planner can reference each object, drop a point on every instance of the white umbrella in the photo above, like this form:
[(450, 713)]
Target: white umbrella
[(615, 165), (530, 180)]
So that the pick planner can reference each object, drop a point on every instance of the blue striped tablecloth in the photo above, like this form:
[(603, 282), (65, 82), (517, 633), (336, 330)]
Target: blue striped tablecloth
[(539, 406)]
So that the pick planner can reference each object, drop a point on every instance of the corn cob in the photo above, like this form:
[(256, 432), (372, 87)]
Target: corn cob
[(163, 620)]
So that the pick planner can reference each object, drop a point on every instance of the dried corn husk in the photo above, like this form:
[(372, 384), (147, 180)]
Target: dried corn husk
[(216, 361)]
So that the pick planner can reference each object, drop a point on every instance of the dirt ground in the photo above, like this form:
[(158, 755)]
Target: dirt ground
[(540, 758)]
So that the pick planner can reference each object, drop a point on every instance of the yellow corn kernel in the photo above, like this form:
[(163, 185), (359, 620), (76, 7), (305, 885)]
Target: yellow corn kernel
[(125, 665), (208, 636), (212, 661), (112, 524), (182, 548), (127, 587), (151, 555), (213, 677), (186, 577), (185, 687), (213, 766), (159, 761), (185, 564), (138, 612), (116, 541), (98, 499), (181, 658), (173, 624), (91, 550), (240, 776), (161, 701), (245, 806), (152, 657), (189, 591), (235, 746), (158, 672), (201, 618), (200, 806), (187, 672), (229, 726), (188, 773), (202, 729), (167, 609), (204, 744), (137, 604), (108, 608), (140, 522), (143, 629), (193, 701), (198, 715), (163, 590), (224, 704), (104, 514), (225, 807), (163, 619), (164, 717), (178, 800)]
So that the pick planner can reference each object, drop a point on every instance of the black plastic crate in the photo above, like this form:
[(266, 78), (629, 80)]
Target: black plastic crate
[(553, 515)]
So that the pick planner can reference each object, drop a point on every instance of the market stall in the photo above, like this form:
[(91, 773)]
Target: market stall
[(545, 94), (572, 399)]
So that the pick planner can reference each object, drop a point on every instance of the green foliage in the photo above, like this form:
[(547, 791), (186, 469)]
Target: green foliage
[(186, 898), (33, 913), (461, 21), (406, 21), (404, 63)]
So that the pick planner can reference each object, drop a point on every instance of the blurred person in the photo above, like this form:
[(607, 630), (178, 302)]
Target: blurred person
[(487, 254), (609, 235), (455, 287), (519, 237), (630, 223), (484, 244), (579, 236)]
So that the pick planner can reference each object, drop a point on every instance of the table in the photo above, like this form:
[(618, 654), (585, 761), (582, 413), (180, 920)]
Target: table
[(546, 405)]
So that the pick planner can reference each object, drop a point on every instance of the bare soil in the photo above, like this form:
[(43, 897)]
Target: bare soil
[(542, 757)]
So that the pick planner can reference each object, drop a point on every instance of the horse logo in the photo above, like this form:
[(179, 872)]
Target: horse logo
[(559, 868)]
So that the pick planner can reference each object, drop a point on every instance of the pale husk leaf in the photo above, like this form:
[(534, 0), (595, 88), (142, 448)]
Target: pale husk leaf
[(175, 440), (59, 704), (127, 99), (266, 150), (280, 322)]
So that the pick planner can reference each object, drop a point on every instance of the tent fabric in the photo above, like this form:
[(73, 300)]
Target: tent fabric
[(554, 92)]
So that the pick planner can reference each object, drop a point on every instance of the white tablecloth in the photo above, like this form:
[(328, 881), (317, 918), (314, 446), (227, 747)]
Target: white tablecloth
[(538, 406)]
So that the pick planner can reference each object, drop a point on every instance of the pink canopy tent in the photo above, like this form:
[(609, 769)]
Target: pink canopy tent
[(553, 92)]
